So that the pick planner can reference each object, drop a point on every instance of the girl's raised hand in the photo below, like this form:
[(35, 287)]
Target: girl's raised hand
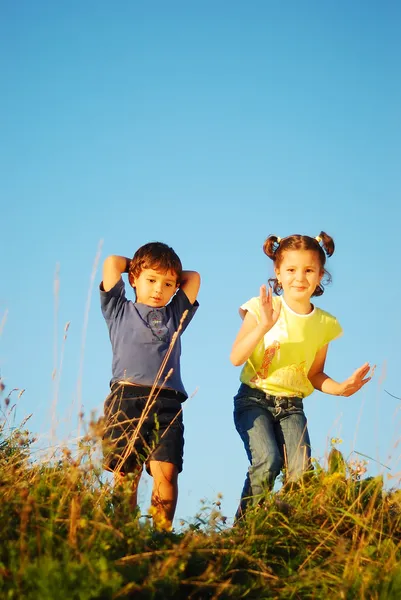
[(268, 316), (357, 380)]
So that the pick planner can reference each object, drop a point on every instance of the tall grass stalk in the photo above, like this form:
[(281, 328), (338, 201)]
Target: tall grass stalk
[(67, 533)]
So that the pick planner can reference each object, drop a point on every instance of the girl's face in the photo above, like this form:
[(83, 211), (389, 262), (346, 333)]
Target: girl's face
[(299, 273)]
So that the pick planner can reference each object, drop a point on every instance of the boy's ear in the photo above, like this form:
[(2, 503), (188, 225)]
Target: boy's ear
[(131, 279)]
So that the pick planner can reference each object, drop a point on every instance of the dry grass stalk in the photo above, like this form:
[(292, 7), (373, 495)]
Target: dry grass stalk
[(153, 395)]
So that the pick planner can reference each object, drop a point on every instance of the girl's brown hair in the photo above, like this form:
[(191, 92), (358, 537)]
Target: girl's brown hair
[(275, 247), (157, 256)]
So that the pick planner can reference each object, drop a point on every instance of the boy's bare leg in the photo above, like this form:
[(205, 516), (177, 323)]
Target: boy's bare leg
[(164, 494)]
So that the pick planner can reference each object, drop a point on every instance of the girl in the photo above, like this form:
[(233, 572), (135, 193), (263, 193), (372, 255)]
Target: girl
[(283, 344)]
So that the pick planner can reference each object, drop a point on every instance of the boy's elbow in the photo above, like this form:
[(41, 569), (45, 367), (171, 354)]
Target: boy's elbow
[(109, 261), (196, 278), (190, 284)]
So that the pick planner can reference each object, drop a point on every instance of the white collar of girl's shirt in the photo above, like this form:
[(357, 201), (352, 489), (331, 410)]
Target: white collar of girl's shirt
[(295, 313)]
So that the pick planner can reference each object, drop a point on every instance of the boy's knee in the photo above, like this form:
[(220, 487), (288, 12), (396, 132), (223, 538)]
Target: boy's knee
[(163, 472)]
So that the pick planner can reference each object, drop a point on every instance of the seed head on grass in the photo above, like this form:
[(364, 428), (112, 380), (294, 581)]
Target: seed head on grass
[(342, 540)]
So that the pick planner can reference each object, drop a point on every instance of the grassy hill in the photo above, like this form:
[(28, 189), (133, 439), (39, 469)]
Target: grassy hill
[(66, 534)]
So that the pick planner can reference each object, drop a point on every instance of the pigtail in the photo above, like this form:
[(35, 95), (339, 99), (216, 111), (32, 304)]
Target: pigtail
[(271, 245), (274, 247), (326, 245), (326, 242), (270, 248)]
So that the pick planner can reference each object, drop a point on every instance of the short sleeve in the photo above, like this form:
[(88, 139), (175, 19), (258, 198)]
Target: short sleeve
[(333, 330), (113, 301), (178, 305), (253, 306)]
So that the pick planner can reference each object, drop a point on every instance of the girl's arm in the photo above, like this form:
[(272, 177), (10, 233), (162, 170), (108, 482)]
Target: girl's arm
[(252, 332), (248, 337), (327, 385)]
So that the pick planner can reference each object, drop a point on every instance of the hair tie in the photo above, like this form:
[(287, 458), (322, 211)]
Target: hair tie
[(278, 240), (318, 239)]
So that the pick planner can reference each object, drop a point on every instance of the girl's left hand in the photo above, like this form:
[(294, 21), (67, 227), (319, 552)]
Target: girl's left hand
[(268, 315), (357, 380)]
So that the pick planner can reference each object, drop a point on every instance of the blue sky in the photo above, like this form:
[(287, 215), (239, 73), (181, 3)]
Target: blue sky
[(206, 125)]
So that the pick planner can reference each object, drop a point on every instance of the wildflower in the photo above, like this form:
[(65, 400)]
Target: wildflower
[(160, 522), (357, 468)]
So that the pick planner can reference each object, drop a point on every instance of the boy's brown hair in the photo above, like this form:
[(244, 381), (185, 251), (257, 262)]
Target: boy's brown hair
[(157, 256)]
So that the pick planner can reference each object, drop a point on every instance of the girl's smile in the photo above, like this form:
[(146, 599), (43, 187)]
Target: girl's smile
[(299, 274)]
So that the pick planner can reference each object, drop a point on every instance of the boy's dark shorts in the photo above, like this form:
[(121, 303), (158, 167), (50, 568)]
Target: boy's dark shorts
[(129, 443)]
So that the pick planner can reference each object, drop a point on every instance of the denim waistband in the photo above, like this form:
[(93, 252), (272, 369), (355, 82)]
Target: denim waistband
[(270, 399)]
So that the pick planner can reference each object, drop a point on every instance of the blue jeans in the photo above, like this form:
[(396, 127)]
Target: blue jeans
[(275, 435)]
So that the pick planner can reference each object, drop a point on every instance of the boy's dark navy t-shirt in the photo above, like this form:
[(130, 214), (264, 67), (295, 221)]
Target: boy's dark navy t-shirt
[(140, 336)]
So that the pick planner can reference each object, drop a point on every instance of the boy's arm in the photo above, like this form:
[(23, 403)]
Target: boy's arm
[(190, 284), (327, 385), (113, 267)]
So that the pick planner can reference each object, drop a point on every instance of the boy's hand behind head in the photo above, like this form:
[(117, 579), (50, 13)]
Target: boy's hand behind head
[(113, 267), (155, 272)]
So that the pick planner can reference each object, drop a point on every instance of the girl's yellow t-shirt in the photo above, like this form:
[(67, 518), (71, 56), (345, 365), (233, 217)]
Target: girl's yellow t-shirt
[(280, 363)]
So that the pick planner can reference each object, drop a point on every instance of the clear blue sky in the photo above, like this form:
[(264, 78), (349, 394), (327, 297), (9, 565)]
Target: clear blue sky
[(206, 125)]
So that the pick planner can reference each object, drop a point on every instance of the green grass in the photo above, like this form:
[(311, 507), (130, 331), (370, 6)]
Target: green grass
[(65, 533)]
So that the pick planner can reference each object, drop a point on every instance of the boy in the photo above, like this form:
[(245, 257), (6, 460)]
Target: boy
[(143, 412)]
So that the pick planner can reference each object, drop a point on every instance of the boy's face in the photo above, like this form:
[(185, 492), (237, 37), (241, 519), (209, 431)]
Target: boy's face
[(155, 288)]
